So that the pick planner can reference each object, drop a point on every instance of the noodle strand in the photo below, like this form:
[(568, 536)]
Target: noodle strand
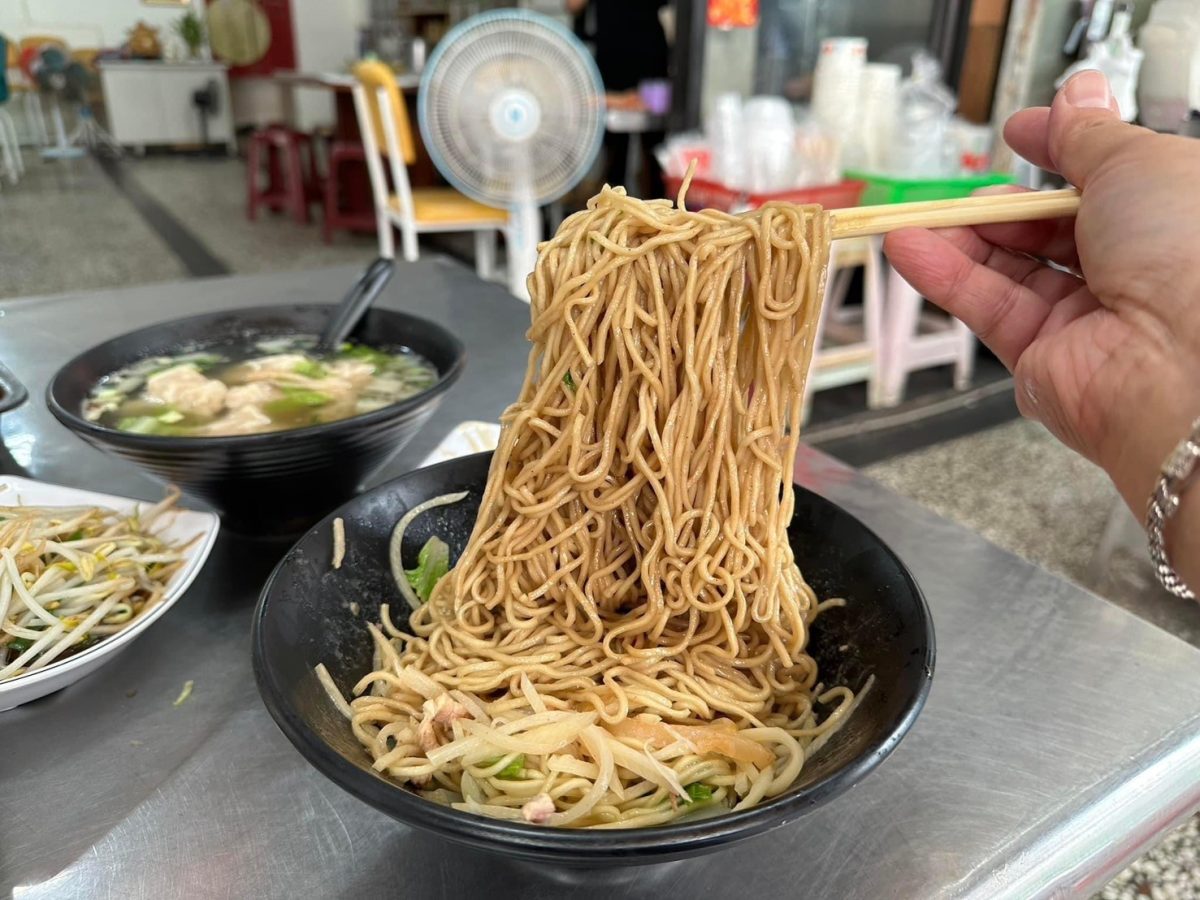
[(623, 638)]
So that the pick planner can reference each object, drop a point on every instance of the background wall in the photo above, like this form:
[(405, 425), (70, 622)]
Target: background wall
[(325, 34), (326, 41), (83, 23)]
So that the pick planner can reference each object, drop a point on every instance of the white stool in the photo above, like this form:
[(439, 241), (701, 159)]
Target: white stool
[(914, 339), (849, 340), (11, 163)]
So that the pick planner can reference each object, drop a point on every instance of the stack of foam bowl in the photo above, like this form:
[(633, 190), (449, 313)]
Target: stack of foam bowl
[(837, 83)]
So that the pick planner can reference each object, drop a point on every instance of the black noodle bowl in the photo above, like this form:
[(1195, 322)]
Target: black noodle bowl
[(303, 618)]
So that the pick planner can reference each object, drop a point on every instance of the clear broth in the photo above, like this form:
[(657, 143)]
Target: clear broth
[(254, 388)]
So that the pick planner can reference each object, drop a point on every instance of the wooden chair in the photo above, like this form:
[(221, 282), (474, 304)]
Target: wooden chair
[(385, 127), (281, 172), (20, 87), (41, 40), (343, 158)]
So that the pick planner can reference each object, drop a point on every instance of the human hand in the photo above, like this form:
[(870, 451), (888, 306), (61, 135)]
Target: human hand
[(1109, 363)]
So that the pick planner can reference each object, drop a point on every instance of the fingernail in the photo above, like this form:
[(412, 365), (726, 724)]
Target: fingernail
[(1088, 90)]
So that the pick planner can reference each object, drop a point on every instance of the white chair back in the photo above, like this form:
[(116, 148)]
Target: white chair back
[(379, 180)]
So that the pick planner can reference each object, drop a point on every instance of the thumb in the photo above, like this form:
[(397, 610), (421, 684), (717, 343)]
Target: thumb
[(1085, 128)]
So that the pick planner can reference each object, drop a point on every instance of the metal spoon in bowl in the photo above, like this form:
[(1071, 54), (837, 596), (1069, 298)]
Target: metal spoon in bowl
[(354, 305)]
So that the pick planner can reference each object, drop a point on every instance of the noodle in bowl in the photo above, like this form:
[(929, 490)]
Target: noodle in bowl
[(311, 613), (623, 640)]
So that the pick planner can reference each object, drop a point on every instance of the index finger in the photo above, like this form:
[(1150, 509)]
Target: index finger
[(1052, 239), (1004, 314)]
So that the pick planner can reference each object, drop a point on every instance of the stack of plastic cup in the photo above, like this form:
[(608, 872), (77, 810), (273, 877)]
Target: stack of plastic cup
[(878, 99), (837, 84), (1169, 81), (770, 137), (727, 140), (974, 147)]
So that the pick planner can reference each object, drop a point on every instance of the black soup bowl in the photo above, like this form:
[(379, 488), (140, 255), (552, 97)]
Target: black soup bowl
[(303, 618), (264, 485)]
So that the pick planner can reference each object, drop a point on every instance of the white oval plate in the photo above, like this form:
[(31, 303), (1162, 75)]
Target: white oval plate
[(465, 439), (181, 525)]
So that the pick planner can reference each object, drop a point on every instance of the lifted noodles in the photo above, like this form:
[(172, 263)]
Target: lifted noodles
[(622, 641)]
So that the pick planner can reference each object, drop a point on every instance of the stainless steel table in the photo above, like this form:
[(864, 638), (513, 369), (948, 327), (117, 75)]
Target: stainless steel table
[(1061, 737)]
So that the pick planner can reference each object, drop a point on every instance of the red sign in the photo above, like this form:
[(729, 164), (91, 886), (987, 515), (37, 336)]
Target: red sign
[(732, 13)]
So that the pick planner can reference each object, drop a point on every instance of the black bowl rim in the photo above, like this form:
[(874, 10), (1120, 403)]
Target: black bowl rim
[(76, 422), (12, 392), (567, 846)]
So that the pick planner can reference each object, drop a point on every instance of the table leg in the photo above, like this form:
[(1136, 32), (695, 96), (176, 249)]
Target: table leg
[(633, 159)]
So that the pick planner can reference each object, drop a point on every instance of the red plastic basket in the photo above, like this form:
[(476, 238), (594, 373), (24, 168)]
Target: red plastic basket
[(704, 194), (829, 196)]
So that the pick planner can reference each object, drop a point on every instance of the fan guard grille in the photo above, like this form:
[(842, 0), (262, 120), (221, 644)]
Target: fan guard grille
[(511, 108)]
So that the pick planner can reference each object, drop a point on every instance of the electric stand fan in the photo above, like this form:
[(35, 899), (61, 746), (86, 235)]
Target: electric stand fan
[(511, 108), (66, 80)]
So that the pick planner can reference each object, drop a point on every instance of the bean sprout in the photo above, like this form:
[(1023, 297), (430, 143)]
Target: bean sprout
[(72, 576)]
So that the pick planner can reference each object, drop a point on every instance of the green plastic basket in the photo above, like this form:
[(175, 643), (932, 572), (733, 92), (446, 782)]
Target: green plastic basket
[(884, 189)]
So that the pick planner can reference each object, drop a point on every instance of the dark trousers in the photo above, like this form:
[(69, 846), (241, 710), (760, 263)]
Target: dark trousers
[(616, 155)]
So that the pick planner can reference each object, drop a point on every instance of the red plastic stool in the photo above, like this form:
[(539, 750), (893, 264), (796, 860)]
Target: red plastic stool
[(348, 202), (290, 183)]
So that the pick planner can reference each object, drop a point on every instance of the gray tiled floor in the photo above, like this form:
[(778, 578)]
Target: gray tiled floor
[(67, 227), (1016, 486), (1023, 490), (208, 196)]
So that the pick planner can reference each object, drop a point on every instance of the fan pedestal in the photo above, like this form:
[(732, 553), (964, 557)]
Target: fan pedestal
[(521, 238), (87, 135), (63, 147), (66, 81)]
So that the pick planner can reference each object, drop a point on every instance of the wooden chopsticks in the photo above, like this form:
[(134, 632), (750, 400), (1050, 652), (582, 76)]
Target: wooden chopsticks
[(990, 209)]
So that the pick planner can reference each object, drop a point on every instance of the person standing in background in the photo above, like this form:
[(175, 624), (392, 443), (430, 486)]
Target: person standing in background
[(631, 47)]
